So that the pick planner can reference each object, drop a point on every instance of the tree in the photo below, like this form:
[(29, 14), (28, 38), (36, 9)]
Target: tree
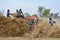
[(46, 12), (27, 14), (56, 14), (51, 14), (40, 10), (35, 15)]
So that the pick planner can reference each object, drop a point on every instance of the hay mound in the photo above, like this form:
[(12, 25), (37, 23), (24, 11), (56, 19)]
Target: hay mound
[(45, 30), (18, 27), (12, 27)]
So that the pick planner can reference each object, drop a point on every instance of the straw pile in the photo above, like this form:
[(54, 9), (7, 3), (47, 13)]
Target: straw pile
[(12, 27), (18, 27), (47, 31)]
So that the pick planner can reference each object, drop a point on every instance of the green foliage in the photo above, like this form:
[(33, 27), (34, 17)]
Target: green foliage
[(40, 10), (56, 14), (51, 14), (46, 12), (27, 14), (35, 15), (43, 11)]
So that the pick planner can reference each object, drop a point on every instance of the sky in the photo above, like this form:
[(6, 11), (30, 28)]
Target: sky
[(29, 6)]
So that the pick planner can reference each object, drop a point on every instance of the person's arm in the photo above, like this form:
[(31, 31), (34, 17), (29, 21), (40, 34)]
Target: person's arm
[(11, 14), (49, 22), (54, 21)]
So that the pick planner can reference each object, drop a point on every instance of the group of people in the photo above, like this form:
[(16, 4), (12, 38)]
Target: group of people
[(19, 13)]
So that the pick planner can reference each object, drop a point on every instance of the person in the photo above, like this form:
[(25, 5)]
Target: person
[(20, 14), (51, 21), (17, 11), (8, 13)]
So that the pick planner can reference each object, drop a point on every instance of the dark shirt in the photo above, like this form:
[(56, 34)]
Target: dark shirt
[(52, 22), (8, 14), (20, 13)]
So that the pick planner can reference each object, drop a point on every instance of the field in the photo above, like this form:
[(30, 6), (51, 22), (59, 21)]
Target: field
[(18, 29), (20, 38)]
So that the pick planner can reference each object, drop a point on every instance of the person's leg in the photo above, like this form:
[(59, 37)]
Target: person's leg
[(22, 16), (51, 24), (17, 16)]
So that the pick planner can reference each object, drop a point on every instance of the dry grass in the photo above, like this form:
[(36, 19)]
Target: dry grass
[(47, 31), (13, 29), (20, 38)]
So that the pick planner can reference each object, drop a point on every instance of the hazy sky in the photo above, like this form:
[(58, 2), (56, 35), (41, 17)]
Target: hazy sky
[(30, 6)]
